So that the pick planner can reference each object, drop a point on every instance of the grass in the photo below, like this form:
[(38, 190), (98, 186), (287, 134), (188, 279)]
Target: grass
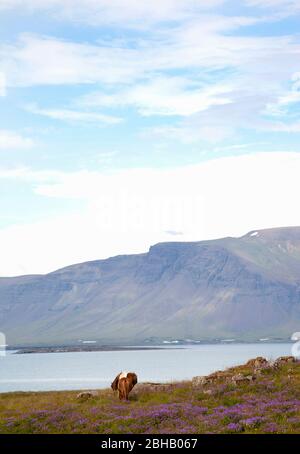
[(270, 404)]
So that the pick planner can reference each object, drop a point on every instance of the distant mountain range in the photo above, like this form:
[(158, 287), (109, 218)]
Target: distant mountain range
[(243, 288)]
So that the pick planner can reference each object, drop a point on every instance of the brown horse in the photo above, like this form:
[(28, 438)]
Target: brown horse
[(123, 383)]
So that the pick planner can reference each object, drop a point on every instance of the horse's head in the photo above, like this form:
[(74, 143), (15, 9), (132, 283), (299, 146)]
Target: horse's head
[(133, 378)]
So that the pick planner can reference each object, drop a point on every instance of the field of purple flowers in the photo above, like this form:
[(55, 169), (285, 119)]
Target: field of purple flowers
[(268, 404)]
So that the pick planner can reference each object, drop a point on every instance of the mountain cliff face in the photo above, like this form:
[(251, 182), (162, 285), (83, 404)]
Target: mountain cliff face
[(243, 288)]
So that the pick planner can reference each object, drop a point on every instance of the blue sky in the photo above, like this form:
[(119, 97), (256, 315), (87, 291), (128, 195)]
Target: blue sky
[(110, 106)]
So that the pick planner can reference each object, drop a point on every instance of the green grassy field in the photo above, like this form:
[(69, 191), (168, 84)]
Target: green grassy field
[(269, 404)]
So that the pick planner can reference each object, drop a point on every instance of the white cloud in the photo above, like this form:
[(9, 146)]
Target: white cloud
[(291, 127), (12, 140), (240, 146), (286, 99), (164, 96), (289, 98), (255, 108), (96, 12), (40, 60), (36, 60), (254, 69), (223, 85), (2, 84), (128, 210), (136, 72), (218, 123), (74, 115), (189, 133), (28, 175), (288, 5)]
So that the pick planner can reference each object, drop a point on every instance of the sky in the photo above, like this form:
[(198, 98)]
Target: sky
[(124, 123)]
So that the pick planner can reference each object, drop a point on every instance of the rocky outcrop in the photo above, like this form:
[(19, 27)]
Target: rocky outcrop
[(215, 377), (249, 372), (151, 387), (285, 359), (240, 379), (221, 377), (282, 360), (258, 363), (199, 381)]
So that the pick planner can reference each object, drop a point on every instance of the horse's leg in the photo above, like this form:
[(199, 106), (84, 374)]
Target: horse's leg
[(127, 389), (122, 390)]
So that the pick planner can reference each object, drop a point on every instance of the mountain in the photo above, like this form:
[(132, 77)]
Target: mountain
[(244, 288)]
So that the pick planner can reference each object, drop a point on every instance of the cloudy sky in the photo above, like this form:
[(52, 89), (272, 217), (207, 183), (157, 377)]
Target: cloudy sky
[(129, 122)]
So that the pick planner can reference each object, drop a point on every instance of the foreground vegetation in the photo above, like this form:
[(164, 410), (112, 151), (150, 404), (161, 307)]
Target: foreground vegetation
[(268, 404)]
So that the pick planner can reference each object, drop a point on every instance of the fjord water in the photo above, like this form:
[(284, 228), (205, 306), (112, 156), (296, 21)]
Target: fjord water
[(90, 370)]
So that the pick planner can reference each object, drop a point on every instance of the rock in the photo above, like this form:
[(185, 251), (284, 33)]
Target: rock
[(85, 395), (240, 379), (215, 377), (258, 363), (147, 387), (219, 376), (286, 359), (199, 381), (208, 391), (283, 360)]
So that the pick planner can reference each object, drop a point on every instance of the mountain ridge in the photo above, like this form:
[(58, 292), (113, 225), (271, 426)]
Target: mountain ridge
[(244, 288)]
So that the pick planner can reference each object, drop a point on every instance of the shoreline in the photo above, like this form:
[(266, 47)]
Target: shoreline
[(103, 384), (20, 350), (24, 351)]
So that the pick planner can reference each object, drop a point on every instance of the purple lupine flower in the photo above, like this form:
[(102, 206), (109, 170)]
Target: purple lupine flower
[(234, 427), (253, 422)]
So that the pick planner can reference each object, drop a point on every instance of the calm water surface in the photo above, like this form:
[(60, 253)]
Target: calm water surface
[(87, 370)]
